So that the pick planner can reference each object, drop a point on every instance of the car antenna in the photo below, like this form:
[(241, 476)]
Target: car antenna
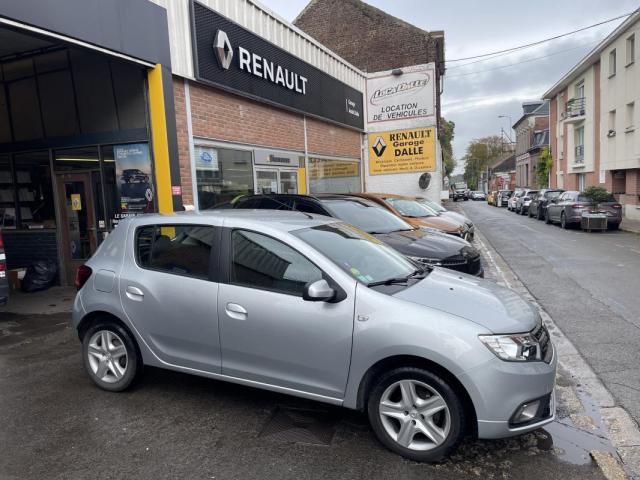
[(308, 215)]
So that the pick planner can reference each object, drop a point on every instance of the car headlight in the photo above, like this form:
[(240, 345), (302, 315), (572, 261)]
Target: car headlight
[(434, 262), (470, 252), (522, 347)]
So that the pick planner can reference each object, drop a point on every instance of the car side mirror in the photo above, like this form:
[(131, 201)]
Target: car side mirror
[(318, 291)]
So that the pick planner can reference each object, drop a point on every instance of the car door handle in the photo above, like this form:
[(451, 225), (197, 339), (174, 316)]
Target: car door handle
[(236, 311), (134, 293)]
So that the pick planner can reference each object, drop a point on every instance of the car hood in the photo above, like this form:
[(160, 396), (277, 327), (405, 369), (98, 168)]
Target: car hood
[(446, 224), (422, 243), (457, 216), (483, 302)]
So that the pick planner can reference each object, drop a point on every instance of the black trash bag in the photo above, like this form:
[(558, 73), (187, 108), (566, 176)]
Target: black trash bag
[(40, 275)]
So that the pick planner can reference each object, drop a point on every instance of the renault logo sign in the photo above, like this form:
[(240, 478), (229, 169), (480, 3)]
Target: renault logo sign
[(223, 50), (379, 147)]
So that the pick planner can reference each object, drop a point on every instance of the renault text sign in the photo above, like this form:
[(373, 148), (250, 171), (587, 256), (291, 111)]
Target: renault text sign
[(231, 57), (410, 95), (402, 151)]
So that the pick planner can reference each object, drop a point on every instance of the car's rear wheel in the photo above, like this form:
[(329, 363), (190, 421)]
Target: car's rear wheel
[(416, 414), (111, 357), (530, 213), (563, 221)]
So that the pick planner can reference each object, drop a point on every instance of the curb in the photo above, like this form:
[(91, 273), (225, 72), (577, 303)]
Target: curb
[(622, 431)]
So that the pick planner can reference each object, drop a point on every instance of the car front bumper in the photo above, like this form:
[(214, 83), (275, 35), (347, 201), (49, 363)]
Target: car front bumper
[(498, 388)]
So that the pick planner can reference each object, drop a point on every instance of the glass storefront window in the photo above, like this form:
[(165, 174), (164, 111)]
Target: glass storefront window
[(222, 174), (7, 195), (334, 176), (34, 190)]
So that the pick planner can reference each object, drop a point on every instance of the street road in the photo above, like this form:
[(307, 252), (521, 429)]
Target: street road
[(588, 282)]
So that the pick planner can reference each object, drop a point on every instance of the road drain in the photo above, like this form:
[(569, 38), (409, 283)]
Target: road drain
[(295, 425)]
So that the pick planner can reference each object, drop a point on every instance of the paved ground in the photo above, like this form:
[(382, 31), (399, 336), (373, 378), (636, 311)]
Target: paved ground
[(588, 282), (57, 425)]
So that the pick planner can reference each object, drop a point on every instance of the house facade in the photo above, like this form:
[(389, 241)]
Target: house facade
[(593, 118), (530, 139)]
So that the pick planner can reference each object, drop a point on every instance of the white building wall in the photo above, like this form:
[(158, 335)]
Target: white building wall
[(621, 151), (588, 123), (263, 22)]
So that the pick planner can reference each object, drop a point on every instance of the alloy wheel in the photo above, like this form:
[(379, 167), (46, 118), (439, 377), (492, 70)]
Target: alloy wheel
[(107, 355), (415, 415), (563, 220)]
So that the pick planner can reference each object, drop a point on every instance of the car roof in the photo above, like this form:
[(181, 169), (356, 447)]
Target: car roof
[(284, 220)]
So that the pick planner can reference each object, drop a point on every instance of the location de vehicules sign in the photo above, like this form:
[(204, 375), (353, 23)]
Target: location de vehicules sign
[(406, 96), (231, 57), (402, 151)]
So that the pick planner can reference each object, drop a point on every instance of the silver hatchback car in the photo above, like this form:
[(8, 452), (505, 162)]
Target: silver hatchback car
[(313, 307)]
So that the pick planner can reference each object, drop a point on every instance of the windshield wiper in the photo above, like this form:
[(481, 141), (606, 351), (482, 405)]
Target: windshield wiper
[(394, 280)]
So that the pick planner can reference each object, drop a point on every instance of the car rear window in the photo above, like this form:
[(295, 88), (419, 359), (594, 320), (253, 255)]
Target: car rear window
[(177, 249)]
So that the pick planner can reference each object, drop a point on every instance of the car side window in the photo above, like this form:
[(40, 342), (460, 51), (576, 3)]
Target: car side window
[(261, 262), (177, 249)]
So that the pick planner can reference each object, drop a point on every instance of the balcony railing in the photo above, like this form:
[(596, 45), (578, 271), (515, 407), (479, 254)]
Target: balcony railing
[(575, 108), (579, 153)]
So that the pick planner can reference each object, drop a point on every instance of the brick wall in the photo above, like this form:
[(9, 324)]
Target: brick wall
[(183, 140), (632, 189), (224, 116), (328, 139), (369, 38), (218, 115), (553, 140)]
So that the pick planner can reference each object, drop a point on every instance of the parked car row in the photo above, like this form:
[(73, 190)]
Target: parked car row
[(333, 298), (404, 223), (556, 206)]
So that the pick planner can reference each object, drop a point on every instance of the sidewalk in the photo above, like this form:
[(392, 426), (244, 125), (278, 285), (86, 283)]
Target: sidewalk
[(630, 225), (50, 301)]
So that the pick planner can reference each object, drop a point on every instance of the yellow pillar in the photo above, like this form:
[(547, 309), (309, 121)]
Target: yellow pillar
[(302, 181), (160, 141)]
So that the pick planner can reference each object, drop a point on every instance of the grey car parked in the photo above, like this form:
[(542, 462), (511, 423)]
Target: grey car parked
[(523, 202), (538, 205), (567, 210), (309, 306)]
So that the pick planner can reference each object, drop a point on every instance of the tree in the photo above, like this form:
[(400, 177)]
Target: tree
[(481, 152), (597, 195), (545, 162), (445, 134)]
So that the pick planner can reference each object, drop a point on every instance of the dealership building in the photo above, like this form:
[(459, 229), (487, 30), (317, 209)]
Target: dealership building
[(111, 108)]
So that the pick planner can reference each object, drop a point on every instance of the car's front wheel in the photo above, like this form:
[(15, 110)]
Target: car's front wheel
[(111, 357), (416, 414)]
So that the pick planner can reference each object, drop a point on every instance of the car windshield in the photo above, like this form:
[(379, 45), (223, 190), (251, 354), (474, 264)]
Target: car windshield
[(552, 194), (410, 208), (432, 205), (360, 255), (366, 216)]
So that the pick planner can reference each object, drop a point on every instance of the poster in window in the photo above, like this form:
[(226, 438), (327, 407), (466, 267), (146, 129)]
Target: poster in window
[(134, 180)]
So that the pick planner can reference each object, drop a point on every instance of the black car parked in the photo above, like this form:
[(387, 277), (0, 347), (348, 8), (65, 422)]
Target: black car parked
[(422, 245), (538, 205)]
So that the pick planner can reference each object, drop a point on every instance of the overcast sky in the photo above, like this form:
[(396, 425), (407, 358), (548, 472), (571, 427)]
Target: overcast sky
[(474, 95)]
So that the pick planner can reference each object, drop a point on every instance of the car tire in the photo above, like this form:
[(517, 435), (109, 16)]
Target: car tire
[(529, 213), (563, 221), (111, 356), (539, 214), (614, 226), (547, 218), (446, 426)]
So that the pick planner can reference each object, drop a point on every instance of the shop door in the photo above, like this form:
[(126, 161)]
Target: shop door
[(77, 217), (275, 180)]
